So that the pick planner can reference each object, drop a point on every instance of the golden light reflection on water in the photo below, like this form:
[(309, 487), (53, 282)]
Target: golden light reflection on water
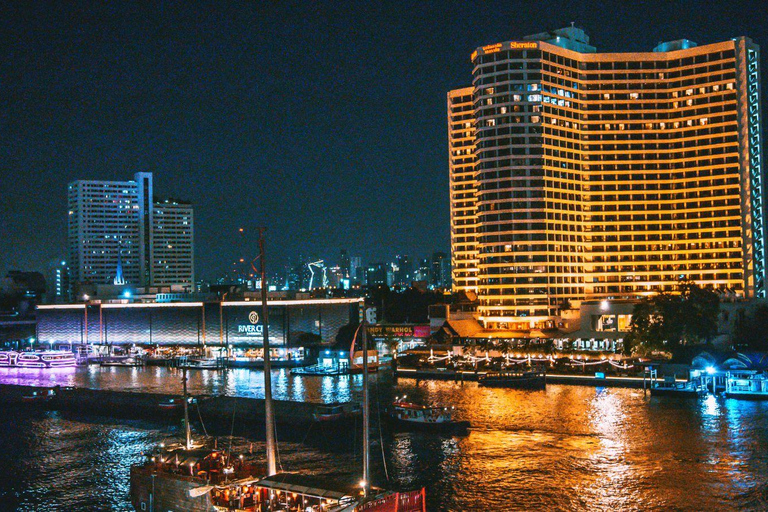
[(566, 448)]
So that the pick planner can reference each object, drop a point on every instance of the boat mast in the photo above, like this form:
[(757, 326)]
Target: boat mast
[(268, 405), (366, 441), (186, 409)]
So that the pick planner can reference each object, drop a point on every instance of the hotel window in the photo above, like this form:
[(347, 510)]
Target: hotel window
[(688, 92), (634, 95), (607, 96), (503, 110), (729, 85), (491, 122)]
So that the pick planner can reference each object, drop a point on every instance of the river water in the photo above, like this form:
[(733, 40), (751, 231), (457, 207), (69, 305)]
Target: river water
[(566, 448)]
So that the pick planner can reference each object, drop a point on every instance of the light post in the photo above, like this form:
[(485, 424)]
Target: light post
[(221, 323)]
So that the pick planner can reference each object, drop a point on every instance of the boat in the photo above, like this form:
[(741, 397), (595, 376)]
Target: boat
[(129, 362), (174, 404), (515, 380), (320, 370), (46, 359), (192, 485), (409, 415), (669, 386), (193, 476), (8, 358), (201, 363), (336, 412), (38, 359), (39, 396), (746, 385)]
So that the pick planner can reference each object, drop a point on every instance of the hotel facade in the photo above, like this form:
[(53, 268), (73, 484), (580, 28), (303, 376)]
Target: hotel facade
[(579, 176)]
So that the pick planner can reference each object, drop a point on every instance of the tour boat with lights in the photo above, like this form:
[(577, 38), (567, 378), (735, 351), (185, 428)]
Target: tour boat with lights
[(43, 359), (515, 380), (409, 415)]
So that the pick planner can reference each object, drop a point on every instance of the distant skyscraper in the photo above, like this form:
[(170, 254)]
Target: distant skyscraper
[(345, 264), (578, 175), (440, 276), (173, 245), (58, 289), (376, 274), (113, 222), (425, 270), (403, 275), (356, 270)]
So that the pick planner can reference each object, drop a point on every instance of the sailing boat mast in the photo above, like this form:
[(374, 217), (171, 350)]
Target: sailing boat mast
[(366, 441), (269, 409), (188, 431)]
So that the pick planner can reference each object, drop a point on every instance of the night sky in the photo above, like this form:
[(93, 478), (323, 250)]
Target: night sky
[(324, 121)]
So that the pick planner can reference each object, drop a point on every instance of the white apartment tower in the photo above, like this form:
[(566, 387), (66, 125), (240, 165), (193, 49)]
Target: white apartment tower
[(117, 233)]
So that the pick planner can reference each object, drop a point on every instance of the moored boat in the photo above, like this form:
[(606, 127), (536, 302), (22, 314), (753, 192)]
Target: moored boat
[(195, 478), (128, 362), (202, 363), (414, 416), (320, 370), (39, 396), (669, 386), (336, 412), (43, 359), (516, 380), (746, 385)]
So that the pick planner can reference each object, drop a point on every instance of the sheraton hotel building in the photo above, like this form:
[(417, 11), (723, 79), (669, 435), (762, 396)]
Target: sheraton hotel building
[(579, 177)]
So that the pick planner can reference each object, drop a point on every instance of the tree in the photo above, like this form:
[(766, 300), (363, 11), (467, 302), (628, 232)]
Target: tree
[(668, 321), (751, 330)]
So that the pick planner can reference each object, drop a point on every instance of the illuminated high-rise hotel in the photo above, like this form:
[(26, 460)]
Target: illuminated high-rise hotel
[(578, 175)]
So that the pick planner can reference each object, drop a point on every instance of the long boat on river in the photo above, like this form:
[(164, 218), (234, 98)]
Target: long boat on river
[(515, 380)]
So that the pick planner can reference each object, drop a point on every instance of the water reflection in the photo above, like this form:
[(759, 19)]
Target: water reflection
[(564, 448)]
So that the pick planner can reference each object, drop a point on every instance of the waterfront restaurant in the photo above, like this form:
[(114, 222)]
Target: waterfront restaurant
[(217, 326)]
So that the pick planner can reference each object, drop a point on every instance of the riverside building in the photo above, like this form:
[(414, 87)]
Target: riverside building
[(118, 234), (581, 176)]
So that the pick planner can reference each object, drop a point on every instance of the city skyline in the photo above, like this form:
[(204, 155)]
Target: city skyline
[(89, 98)]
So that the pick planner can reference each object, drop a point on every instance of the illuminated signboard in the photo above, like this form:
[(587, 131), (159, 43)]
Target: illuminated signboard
[(526, 45), (251, 329), (511, 45), (398, 331)]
